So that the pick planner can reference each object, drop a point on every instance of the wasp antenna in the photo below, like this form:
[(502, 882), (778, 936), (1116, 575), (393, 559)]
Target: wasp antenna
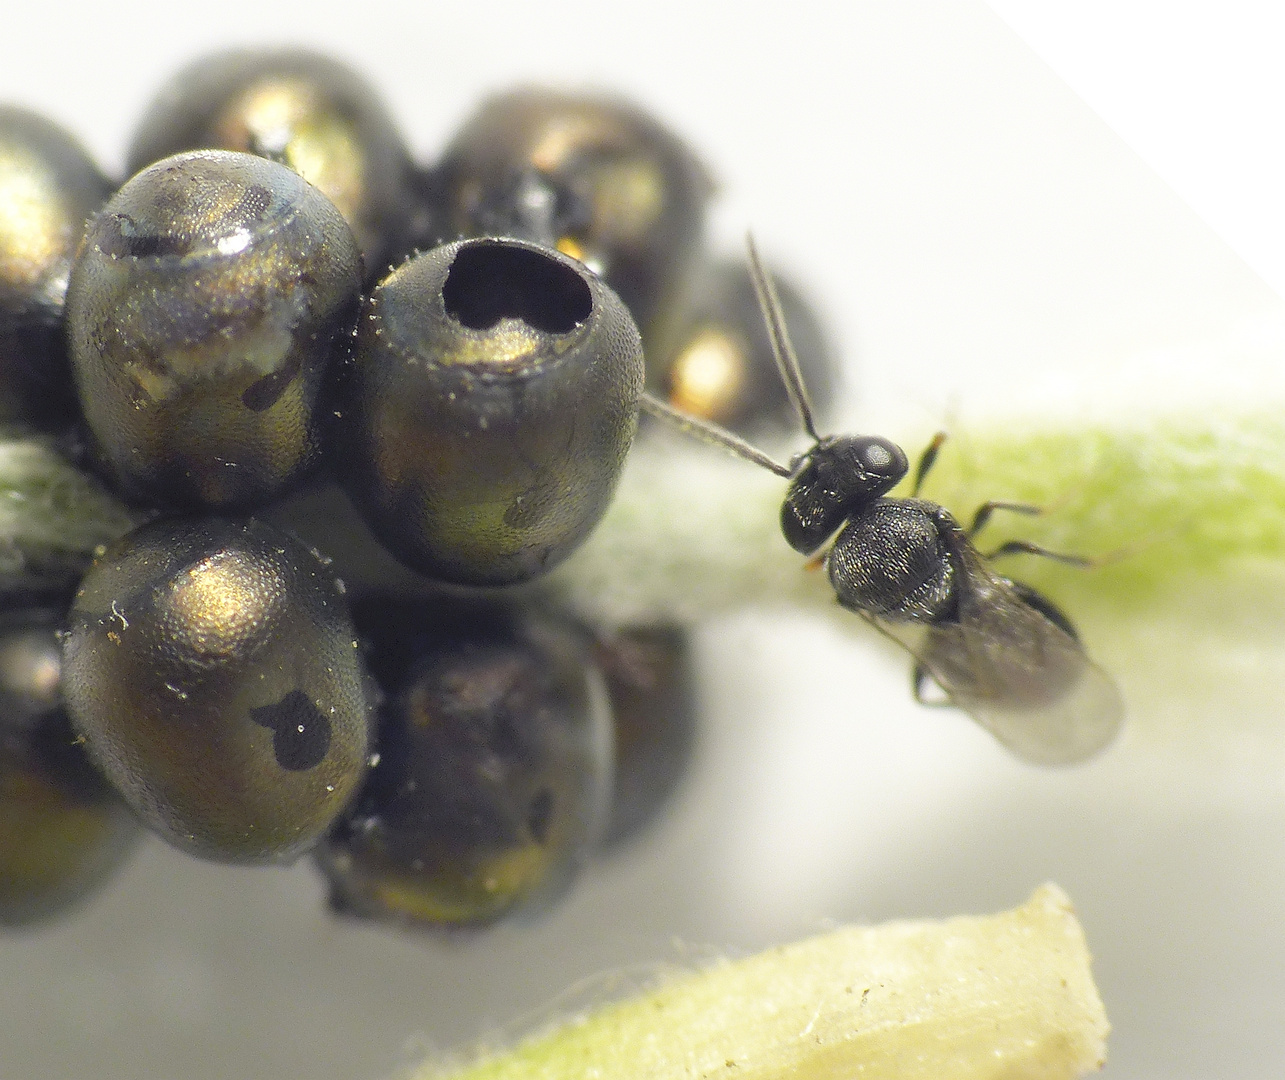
[(787, 360), (710, 433)]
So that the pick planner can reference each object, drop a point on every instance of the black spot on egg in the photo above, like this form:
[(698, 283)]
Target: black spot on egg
[(262, 395), (300, 733), (188, 641)]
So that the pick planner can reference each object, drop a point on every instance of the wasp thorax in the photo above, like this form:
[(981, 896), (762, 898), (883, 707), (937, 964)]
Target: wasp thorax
[(48, 188), (594, 177), (890, 560), (489, 407), (204, 308), (494, 777), (302, 110), (212, 668)]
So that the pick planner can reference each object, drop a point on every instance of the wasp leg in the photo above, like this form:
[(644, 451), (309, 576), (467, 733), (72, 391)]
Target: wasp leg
[(1034, 599), (1024, 547), (926, 461), (985, 511)]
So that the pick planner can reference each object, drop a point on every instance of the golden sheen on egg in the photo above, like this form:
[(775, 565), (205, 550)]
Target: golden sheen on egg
[(589, 174), (204, 309), (63, 830), (48, 188), (212, 668), (300, 109), (720, 366), (490, 404)]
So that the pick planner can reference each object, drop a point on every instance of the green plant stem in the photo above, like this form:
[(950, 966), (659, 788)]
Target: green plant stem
[(1172, 503)]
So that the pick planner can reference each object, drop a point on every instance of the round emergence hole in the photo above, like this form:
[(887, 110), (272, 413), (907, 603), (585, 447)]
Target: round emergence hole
[(492, 280)]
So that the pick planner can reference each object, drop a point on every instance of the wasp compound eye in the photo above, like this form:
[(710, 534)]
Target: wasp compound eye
[(299, 109), (203, 310), (595, 177), (63, 830), (490, 404), (494, 776), (877, 464), (212, 668), (48, 187)]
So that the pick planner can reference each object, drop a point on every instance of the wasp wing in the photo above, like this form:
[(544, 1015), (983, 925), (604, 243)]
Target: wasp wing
[(1016, 672)]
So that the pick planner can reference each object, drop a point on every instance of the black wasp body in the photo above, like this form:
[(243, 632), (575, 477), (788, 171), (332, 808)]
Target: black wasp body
[(998, 649)]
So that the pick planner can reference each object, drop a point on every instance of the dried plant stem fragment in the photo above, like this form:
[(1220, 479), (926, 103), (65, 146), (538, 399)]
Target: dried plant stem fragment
[(1001, 997)]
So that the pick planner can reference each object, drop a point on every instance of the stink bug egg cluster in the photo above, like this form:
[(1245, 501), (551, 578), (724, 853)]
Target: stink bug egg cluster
[(279, 304)]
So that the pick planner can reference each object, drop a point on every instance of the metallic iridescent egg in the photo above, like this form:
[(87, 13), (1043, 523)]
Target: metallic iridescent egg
[(494, 775), (488, 409), (208, 299), (591, 175), (651, 684), (720, 366), (299, 109), (63, 830), (213, 670), (48, 188)]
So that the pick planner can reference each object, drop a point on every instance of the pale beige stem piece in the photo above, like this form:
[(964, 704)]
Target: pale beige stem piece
[(1001, 997)]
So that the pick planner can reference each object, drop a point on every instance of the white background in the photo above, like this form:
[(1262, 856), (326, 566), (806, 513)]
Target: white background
[(983, 244), (1197, 89)]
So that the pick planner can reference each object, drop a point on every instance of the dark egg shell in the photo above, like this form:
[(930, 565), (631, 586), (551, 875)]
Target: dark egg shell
[(651, 683), (494, 777), (488, 409), (213, 670), (719, 364), (302, 110), (48, 189), (591, 175), (205, 306), (63, 830)]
